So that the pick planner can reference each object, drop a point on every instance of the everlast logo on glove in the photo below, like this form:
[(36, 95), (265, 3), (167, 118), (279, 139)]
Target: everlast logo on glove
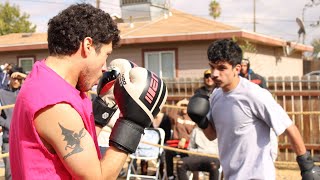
[(152, 88)]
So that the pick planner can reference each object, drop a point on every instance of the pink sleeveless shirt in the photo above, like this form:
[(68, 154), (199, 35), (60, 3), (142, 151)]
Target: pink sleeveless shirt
[(28, 156)]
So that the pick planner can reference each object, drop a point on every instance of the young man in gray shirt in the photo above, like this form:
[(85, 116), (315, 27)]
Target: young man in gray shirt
[(241, 115)]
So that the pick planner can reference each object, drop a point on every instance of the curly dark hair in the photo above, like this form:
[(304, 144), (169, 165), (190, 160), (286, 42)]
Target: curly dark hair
[(67, 29), (225, 50)]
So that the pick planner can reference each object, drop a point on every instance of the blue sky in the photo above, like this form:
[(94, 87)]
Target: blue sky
[(276, 18)]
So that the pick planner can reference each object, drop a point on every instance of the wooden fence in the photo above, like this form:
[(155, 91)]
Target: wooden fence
[(299, 96)]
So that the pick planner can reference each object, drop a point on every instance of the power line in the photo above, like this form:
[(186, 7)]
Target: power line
[(116, 6)]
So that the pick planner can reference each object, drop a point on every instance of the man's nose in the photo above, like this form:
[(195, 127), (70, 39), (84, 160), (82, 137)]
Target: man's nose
[(215, 73)]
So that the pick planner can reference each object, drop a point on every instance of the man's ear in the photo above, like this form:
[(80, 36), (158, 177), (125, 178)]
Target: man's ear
[(237, 68), (87, 46)]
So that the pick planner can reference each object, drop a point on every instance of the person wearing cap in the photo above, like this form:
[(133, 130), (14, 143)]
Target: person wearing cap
[(208, 86), (8, 96), (248, 73), (4, 75)]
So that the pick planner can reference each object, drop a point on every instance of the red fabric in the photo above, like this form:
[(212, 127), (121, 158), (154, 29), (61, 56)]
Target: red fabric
[(174, 143)]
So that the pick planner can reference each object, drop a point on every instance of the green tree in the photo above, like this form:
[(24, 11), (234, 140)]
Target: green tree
[(316, 48), (12, 21), (246, 46), (214, 9)]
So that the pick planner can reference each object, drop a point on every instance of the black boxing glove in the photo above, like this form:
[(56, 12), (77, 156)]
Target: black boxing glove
[(198, 108), (104, 105), (308, 170), (140, 95), (103, 110)]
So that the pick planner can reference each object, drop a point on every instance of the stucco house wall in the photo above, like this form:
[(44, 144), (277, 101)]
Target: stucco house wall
[(12, 57), (191, 58)]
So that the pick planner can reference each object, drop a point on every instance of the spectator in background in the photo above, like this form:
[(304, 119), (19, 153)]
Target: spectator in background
[(4, 75), (182, 127), (162, 121), (248, 73), (208, 86), (200, 143), (8, 96)]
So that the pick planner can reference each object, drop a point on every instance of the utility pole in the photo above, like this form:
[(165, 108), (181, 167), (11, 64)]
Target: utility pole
[(98, 4), (254, 15)]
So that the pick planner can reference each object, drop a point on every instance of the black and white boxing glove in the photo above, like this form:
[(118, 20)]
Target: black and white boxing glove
[(198, 108), (308, 170), (105, 109), (140, 95)]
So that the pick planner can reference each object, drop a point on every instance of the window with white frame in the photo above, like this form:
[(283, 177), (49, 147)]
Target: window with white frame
[(161, 62), (26, 63)]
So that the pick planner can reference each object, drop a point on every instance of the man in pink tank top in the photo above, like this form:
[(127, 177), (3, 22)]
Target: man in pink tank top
[(53, 132)]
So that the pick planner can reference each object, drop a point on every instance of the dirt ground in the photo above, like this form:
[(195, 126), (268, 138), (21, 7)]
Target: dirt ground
[(288, 174), (282, 174)]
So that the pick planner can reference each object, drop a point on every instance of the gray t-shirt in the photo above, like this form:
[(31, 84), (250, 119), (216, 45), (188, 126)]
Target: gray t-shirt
[(243, 118)]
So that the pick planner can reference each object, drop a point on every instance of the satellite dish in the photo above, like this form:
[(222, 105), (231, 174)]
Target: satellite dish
[(288, 49), (302, 30)]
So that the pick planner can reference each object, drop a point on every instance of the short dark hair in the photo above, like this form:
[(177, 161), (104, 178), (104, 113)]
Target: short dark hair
[(16, 69), (67, 29), (225, 50)]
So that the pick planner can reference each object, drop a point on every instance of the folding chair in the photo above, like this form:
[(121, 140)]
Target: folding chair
[(148, 153)]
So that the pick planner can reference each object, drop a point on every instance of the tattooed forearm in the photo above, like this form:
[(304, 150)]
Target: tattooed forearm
[(73, 140)]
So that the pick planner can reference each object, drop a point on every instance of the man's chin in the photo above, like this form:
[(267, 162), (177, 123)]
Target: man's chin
[(82, 88)]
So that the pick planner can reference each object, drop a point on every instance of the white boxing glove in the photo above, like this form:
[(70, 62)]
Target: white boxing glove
[(140, 95)]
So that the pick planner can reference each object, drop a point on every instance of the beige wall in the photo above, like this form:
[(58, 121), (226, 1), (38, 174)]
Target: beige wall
[(12, 57), (271, 61), (192, 58), (191, 62)]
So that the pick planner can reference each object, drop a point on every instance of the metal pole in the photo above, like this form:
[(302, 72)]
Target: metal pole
[(254, 15), (98, 4)]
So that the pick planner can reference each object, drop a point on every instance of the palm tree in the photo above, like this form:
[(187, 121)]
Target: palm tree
[(214, 9)]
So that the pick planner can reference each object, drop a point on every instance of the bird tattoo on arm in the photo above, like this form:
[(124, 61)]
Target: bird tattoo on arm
[(73, 140)]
